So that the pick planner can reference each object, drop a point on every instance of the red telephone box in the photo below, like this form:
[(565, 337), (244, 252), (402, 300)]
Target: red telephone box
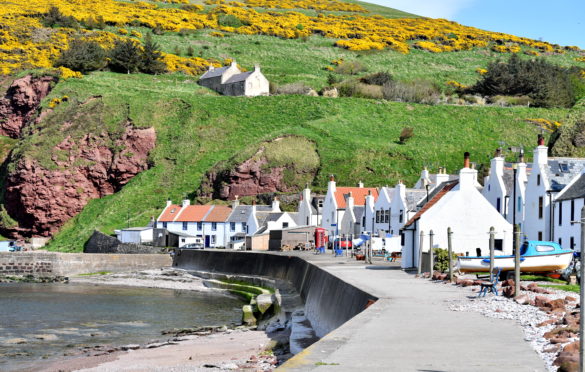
[(320, 237)]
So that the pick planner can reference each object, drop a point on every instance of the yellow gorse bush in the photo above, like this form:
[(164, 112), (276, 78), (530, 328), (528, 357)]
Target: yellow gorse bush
[(545, 124)]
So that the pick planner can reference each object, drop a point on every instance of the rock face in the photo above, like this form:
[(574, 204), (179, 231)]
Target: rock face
[(282, 165), (21, 102), (41, 200)]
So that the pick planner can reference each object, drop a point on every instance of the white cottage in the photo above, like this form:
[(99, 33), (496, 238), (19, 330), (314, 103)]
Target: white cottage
[(549, 176), (231, 81), (460, 206), (567, 209), (310, 210)]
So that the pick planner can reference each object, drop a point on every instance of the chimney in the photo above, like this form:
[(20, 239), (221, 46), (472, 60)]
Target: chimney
[(360, 185), (498, 152), (169, 202), (369, 200), (521, 156), (350, 201), (256, 68), (331, 185), (306, 195), (275, 205), (234, 63), (401, 190), (540, 152), (467, 176), (442, 176), (185, 203), (236, 202), (497, 165), (466, 160), (210, 68)]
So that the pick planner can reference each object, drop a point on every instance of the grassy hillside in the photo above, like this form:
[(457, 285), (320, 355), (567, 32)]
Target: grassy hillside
[(356, 139)]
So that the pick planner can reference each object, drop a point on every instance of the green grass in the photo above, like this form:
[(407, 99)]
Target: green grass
[(97, 273), (541, 278), (355, 138), (567, 287)]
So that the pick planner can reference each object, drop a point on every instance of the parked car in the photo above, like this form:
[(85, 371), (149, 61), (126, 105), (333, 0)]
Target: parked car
[(193, 246), (341, 243)]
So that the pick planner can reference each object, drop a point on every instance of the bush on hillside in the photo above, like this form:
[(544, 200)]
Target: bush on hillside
[(358, 90), (417, 91), (350, 68), (83, 56), (126, 56), (293, 88), (152, 62), (379, 78), (546, 84), (230, 20), (406, 134), (54, 18)]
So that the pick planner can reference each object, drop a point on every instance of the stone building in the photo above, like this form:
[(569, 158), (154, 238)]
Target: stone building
[(231, 81)]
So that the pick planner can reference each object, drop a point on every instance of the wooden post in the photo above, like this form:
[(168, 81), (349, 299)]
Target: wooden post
[(492, 247), (582, 295), (420, 249), (517, 261), (450, 248), (431, 258)]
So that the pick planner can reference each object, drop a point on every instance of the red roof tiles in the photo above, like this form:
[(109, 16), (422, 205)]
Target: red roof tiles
[(170, 213), (219, 213), (193, 213), (359, 195)]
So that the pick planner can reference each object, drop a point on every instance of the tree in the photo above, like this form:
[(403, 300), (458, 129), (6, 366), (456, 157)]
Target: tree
[(126, 56), (83, 56), (54, 18), (152, 57)]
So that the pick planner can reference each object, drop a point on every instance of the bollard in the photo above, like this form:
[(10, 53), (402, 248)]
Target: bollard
[(450, 252), (431, 258), (420, 250), (492, 247)]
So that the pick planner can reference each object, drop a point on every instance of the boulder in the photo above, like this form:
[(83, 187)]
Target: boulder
[(509, 291), (313, 93), (532, 286), (522, 299), (567, 361), (546, 322), (330, 92), (436, 275), (570, 299), (248, 315), (466, 283), (573, 347), (508, 283), (540, 301), (264, 302)]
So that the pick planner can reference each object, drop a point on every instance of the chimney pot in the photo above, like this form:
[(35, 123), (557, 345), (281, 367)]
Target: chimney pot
[(466, 160), (521, 156), (331, 178), (540, 140), (498, 152)]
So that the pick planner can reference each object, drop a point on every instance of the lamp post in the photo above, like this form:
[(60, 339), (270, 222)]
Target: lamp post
[(581, 291), (550, 215), (515, 171)]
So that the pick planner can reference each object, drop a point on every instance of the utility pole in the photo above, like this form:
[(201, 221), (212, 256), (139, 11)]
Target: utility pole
[(492, 247), (450, 252), (431, 258), (581, 291), (420, 249), (517, 261)]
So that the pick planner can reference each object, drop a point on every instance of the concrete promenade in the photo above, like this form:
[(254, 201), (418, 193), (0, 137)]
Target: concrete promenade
[(410, 328)]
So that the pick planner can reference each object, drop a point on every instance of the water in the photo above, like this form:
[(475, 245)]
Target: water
[(70, 316)]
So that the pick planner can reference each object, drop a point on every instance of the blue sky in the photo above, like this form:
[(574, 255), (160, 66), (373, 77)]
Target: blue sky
[(561, 21)]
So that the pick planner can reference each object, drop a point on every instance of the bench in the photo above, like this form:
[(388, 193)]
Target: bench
[(490, 286)]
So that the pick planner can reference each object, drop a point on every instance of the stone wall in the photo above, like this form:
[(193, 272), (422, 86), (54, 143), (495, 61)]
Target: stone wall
[(102, 243), (67, 264)]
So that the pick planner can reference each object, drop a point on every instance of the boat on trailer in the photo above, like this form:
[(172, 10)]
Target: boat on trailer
[(535, 257)]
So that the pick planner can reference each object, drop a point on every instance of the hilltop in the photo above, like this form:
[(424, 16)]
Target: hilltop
[(99, 119)]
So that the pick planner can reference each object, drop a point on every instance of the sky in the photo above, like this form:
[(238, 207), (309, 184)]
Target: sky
[(558, 22)]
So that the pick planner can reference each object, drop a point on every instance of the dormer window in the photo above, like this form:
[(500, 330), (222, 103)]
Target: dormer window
[(173, 210), (564, 167)]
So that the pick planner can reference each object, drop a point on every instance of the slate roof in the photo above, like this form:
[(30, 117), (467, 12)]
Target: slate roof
[(359, 195), (241, 213), (137, 228), (437, 194), (271, 217), (575, 191), (561, 171), (214, 73), (413, 197), (358, 212), (239, 77)]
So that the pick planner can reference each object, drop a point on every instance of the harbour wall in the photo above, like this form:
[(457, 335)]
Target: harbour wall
[(329, 301), (67, 264)]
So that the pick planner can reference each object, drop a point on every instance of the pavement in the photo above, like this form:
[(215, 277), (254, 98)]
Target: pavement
[(411, 328)]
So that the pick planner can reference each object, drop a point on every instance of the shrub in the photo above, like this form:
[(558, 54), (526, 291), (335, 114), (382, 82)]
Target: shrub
[(152, 62), (83, 56), (406, 134), (177, 51), (332, 79), (379, 78), (350, 68), (190, 51), (230, 20), (442, 259), (54, 18), (417, 91), (293, 88), (359, 90), (548, 85), (126, 56)]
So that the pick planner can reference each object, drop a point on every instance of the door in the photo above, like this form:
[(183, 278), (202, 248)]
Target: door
[(207, 240)]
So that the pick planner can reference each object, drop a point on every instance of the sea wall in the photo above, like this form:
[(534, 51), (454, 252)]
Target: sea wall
[(329, 301), (67, 264), (102, 243)]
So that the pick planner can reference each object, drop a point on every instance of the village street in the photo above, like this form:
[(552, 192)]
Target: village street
[(411, 328)]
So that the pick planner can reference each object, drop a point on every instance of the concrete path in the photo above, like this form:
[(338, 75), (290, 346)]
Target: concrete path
[(410, 328)]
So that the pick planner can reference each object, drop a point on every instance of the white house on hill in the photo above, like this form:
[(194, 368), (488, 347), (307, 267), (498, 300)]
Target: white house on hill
[(231, 81), (460, 206)]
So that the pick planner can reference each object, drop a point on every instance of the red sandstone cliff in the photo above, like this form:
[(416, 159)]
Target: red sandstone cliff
[(21, 102), (42, 200)]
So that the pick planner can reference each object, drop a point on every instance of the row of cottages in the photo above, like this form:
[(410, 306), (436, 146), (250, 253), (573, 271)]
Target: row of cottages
[(231, 81), (457, 204), (221, 225), (541, 197)]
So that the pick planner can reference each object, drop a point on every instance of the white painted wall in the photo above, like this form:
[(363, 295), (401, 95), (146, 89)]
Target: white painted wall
[(330, 212), (494, 188), (533, 221), (564, 230), (135, 236), (382, 209)]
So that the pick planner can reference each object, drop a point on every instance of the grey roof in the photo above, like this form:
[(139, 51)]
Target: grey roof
[(271, 217), (262, 217), (358, 212), (315, 203), (137, 228), (241, 213), (508, 179), (575, 191), (434, 192), (239, 77), (413, 197), (182, 234), (561, 171), (214, 73)]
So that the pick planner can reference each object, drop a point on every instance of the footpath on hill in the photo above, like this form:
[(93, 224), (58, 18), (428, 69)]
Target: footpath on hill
[(411, 328)]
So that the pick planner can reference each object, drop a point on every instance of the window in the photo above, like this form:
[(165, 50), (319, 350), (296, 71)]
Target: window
[(232, 226), (307, 221), (572, 244), (538, 180), (560, 241), (164, 225), (540, 235), (540, 207), (564, 167), (284, 225), (401, 217), (213, 240), (364, 221), (387, 216), (544, 248), (184, 225), (214, 226), (489, 187), (572, 211), (560, 213), (498, 204), (199, 226), (377, 216), (519, 204), (320, 203), (244, 227)]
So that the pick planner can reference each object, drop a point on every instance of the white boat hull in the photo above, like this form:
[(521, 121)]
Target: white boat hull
[(532, 264)]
